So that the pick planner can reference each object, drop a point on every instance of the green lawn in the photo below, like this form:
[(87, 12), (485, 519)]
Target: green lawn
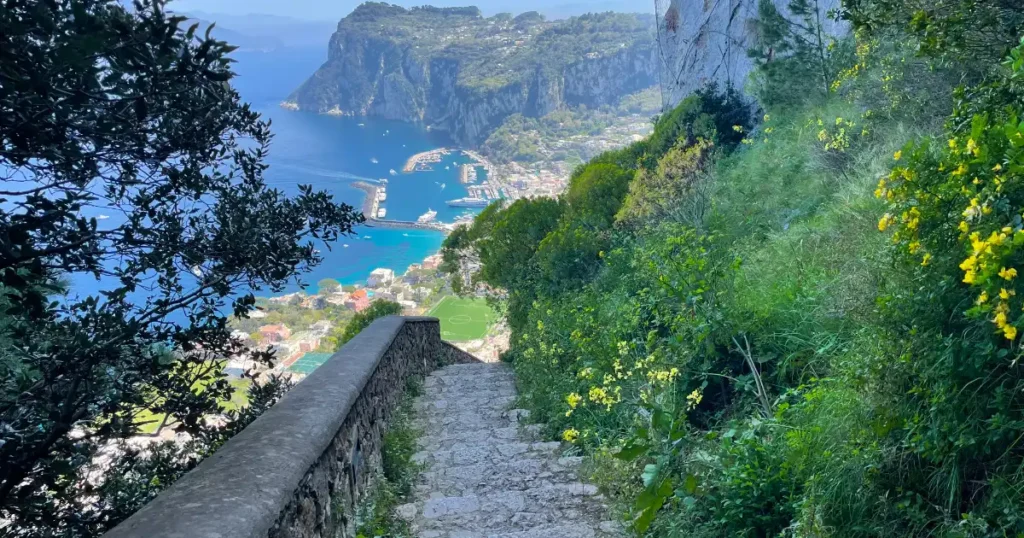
[(463, 318), (239, 399)]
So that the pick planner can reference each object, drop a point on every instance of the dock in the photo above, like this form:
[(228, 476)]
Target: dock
[(421, 161), (371, 204)]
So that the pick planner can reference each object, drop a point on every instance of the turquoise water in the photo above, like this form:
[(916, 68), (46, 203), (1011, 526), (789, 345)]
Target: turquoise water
[(330, 153)]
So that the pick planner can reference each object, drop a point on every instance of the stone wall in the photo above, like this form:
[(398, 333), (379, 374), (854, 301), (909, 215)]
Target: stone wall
[(300, 470)]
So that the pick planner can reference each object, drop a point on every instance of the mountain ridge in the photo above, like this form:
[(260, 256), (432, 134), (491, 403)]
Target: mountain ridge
[(457, 71)]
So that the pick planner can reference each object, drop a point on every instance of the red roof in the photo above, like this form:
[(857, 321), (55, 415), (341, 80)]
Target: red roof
[(359, 295)]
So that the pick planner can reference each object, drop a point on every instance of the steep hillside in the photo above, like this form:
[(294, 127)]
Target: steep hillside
[(803, 322), (458, 71)]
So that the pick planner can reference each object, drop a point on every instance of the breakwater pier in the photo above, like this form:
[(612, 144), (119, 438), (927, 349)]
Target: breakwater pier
[(371, 204)]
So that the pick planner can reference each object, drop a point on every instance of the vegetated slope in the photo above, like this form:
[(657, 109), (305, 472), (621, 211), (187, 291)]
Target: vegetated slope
[(806, 326), (458, 71)]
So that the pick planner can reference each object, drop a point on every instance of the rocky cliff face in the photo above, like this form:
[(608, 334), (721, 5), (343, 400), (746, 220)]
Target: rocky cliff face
[(457, 71), (706, 41)]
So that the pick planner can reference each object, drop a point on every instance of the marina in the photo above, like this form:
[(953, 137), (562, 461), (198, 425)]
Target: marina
[(423, 161)]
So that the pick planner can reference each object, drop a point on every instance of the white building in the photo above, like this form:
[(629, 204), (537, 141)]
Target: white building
[(380, 277)]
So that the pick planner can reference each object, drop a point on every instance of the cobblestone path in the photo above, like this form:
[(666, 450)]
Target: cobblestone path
[(485, 474)]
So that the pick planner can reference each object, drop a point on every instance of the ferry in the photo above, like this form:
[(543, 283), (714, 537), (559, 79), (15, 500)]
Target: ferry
[(429, 216), (381, 213), (469, 202)]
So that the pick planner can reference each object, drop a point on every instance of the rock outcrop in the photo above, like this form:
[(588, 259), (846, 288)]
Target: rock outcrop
[(707, 41), (455, 70)]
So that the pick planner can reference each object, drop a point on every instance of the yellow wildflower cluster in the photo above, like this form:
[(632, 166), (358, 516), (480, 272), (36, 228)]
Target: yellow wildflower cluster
[(606, 397), (837, 139), (694, 399), (571, 435), (851, 73), (971, 177)]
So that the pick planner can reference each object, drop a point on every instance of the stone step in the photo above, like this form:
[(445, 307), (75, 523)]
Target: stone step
[(488, 452), (518, 473), (488, 474), (504, 511)]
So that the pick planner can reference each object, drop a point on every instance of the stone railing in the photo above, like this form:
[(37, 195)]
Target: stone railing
[(300, 470)]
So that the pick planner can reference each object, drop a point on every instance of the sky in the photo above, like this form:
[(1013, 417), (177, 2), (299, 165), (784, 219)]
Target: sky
[(334, 10)]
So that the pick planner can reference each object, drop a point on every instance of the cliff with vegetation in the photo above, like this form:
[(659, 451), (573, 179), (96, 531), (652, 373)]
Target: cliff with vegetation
[(799, 321), (455, 70)]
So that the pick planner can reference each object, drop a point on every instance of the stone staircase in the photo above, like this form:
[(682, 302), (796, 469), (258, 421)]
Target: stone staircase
[(485, 474)]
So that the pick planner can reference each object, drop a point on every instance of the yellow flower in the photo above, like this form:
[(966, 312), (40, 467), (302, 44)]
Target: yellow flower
[(571, 435), (884, 222), (1000, 320), (983, 298), (694, 399), (952, 143), (1004, 294), (926, 259), (969, 276), (964, 227), (972, 147), (767, 117), (1010, 332), (898, 155), (997, 167), (573, 400), (1008, 274)]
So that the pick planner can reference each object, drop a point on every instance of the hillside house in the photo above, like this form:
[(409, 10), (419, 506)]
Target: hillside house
[(275, 333)]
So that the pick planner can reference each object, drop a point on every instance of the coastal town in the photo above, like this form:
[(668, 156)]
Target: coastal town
[(298, 326)]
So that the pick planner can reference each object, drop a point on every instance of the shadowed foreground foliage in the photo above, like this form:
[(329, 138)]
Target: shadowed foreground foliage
[(128, 164)]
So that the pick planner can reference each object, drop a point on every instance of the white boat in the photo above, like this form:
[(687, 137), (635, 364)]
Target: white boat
[(362, 125), (447, 168), (392, 172), (429, 216), (381, 213), (442, 186), (103, 217), (345, 245), (366, 237), (470, 201), (405, 235), (374, 160)]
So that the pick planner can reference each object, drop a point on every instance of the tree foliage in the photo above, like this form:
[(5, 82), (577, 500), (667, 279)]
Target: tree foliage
[(106, 112), (362, 320)]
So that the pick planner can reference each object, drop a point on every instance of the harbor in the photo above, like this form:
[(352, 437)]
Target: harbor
[(374, 213), (423, 161)]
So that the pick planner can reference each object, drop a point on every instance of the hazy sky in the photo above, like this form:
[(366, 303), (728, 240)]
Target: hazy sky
[(333, 10)]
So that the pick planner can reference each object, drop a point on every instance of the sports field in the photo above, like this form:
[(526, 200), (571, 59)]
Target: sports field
[(463, 318), (309, 362)]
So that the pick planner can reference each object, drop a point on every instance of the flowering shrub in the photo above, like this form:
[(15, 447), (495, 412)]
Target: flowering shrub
[(966, 199)]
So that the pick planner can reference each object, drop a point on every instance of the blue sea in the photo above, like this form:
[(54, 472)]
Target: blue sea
[(330, 153)]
